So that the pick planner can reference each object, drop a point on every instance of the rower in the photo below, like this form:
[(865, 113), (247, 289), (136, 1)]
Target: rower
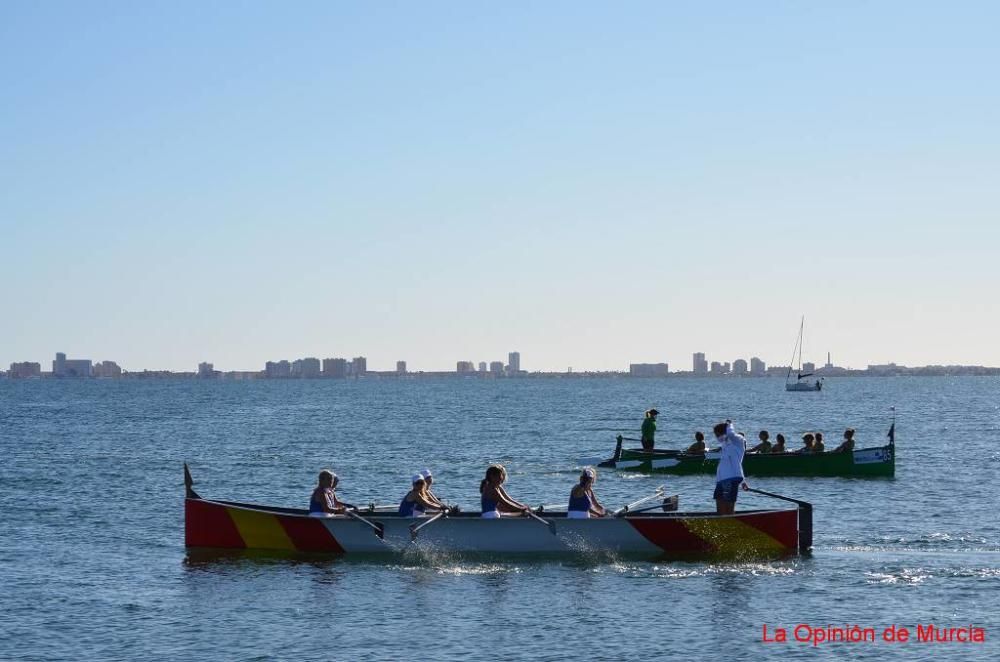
[(698, 447), (649, 429), (494, 497), (323, 502), (808, 440), (430, 496), (415, 504), (779, 444), (582, 502), (818, 446), (848, 445), (765, 445)]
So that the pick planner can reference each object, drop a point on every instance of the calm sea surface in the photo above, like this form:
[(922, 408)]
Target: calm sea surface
[(93, 565)]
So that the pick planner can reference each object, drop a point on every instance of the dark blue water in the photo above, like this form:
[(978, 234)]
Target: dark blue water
[(93, 565)]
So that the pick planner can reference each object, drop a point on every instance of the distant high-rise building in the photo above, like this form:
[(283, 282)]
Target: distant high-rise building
[(482, 366), (496, 367), (308, 368), (757, 367), (465, 367), (700, 364), (206, 370), (716, 368), (277, 369), (63, 367), (359, 366), (25, 370), (335, 368), (740, 367), (401, 367), (829, 364), (514, 362), (808, 367), (648, 369)]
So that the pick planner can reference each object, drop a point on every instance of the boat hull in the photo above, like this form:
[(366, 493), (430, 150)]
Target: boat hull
[(751, 534), (877, 462)]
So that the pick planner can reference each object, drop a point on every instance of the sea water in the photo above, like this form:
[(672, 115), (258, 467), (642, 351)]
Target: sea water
[(93, 564)]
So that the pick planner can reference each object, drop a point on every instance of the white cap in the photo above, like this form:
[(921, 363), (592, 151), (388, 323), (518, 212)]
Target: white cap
[(426, 473), (417, 478)]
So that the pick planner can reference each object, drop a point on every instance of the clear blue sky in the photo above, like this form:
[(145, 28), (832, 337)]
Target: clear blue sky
[(588, 183)]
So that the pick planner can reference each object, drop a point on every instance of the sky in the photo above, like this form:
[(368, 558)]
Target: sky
[(588, 183)]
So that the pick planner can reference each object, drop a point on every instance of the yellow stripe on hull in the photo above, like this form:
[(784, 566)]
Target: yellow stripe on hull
[(260, 530), (731, 537)]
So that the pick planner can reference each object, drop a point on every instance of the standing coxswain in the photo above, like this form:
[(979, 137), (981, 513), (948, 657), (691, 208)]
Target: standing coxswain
[(649, 430), (729, 474)]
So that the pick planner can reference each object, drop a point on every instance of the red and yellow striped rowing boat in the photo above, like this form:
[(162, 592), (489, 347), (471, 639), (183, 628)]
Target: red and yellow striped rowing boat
[(748, 534)]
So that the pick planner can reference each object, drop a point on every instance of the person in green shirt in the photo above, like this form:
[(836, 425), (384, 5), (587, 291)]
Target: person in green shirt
[(649, 429)]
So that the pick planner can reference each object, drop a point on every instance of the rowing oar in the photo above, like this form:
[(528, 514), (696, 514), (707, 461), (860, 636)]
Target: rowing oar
[(416, 527), (378, 527), (551, 525), (655, 495)]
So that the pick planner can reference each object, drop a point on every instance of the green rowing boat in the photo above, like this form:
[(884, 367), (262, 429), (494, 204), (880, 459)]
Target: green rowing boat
[(874, 462)]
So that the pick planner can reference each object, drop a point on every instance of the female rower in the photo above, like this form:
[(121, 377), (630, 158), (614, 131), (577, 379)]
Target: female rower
[(779, 444), (808, 440), (324, 502), (494, 497), (818, 446), (430, 496), (582, 502), (765, 444), (698, 447), (848, 444), (415, 503)]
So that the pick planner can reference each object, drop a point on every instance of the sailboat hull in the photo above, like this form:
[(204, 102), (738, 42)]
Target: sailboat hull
[(802, 386)]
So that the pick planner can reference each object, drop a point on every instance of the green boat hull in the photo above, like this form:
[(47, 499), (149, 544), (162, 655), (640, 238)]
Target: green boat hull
[(876, 462)]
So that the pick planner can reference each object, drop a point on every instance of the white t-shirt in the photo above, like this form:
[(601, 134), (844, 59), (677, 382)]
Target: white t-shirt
[(731, 455)]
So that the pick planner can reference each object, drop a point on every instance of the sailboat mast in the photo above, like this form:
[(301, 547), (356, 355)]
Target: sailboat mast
[(798, 342), (802, 328)]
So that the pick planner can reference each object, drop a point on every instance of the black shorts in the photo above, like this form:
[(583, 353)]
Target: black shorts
[(727, 490)]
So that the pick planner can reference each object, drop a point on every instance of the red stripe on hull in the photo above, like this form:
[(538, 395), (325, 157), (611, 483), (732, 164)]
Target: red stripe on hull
[(309, 534), (209, 525), (671, 536), (782, 526)]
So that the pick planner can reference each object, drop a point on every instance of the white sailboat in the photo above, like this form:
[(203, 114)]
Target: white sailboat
[(798, 384)]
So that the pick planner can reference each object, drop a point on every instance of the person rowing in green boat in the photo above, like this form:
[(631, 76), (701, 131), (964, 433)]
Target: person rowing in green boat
[(779, 444), (848, 445), (698, 447), (818, 446), (808, 441), (649, 430), (765, 444)]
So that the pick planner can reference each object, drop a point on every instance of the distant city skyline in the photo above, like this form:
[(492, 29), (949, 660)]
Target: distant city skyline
[(593, 183), (311, 367)]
